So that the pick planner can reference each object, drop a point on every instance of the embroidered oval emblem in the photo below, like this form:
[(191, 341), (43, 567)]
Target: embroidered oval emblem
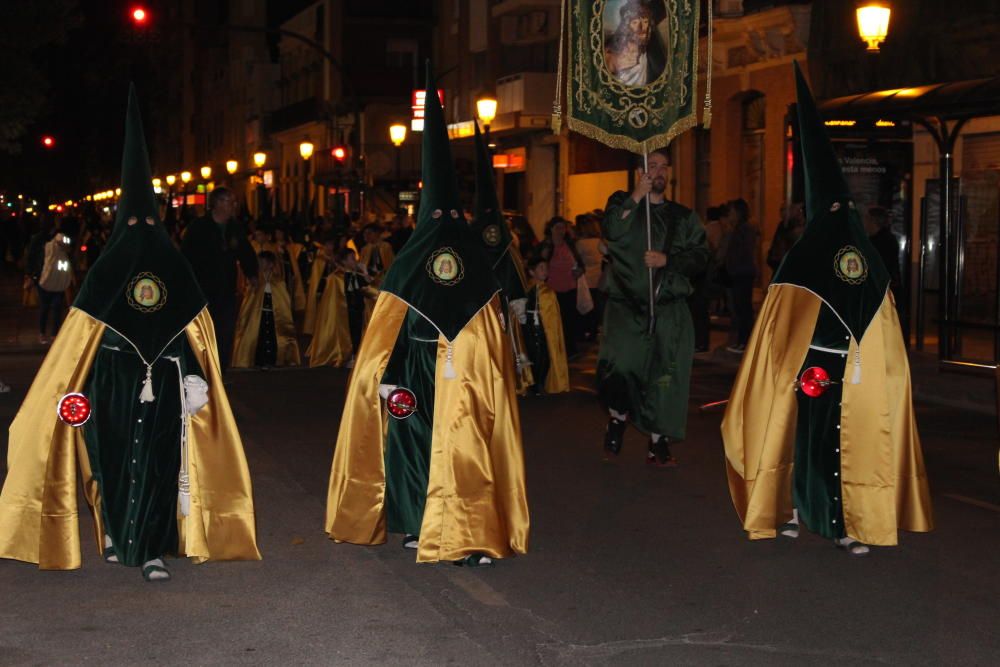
[(850, 265), (491, 236), (146, 293), (445, 267)]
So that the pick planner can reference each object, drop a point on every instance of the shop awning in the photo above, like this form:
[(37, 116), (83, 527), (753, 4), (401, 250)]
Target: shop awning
[(957, 100)]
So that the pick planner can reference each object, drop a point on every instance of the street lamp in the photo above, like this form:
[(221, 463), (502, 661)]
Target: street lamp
[(305, 150), (171, 179), (185, 177), (206, 172), (397, 135), (486, 109), (260, 159), (232, 166), (873, 24)]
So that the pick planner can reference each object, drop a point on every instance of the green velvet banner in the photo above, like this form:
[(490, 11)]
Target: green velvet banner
[(632, 71)]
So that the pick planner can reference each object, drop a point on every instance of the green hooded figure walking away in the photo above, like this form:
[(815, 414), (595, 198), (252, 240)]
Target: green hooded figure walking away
[(644, 365), (143, 415)]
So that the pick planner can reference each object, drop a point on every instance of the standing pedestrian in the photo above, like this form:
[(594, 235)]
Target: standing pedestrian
[(54, 280), (644, 372), (216, 245), (565, 267), (592, 251), (741, 267)]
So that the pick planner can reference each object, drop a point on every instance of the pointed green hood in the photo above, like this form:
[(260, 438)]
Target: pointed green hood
[(834, 258), (442, 271), (489, 226), (140, 286)]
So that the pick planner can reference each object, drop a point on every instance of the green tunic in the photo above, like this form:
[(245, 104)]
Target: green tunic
[(648, 375), (135, 448), (408, 441), (816, 486)]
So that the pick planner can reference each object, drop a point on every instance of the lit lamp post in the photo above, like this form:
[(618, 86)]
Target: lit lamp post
[(306, 151), (170, 179), (873, 24), (259, 160), (206, 173), (232, 166), (397, 135), (486, 109), (185, 179)]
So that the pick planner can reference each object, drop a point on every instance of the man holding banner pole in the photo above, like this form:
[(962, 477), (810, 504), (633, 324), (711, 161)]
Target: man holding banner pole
[(632, 82), (644, 365)]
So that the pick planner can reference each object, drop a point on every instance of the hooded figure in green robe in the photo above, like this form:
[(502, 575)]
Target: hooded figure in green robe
[(140, 347), (490, 228), (447, 471), (820, 418), (644, 376)]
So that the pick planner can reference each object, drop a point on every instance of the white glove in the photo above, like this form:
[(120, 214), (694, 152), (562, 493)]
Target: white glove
[(385, 389), (518, 306), (195, 393)]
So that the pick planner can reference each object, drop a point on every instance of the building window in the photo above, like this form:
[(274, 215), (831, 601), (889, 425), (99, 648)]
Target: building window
[(401, 53), (754, 113)]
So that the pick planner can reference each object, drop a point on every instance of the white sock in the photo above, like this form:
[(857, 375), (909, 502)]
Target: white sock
[(858, 549), (620, 416), (153, 576)]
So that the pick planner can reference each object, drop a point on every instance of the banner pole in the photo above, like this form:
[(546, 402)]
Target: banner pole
[(649, 245)]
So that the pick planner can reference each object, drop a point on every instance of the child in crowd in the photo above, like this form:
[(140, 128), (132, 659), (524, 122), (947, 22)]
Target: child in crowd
[(543, 333), (265, 333)]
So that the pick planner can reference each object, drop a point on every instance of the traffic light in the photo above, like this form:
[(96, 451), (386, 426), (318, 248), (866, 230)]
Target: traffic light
[(48, 141), (339, 154), (139, 15)]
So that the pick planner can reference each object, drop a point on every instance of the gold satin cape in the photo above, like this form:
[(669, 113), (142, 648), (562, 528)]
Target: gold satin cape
[(557, 381), (248, 326), (331, 341), (883, 482), (476, 498), (39, 517), (315, 274)]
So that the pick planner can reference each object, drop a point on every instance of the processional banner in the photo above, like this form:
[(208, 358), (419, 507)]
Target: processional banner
[(631, 74)]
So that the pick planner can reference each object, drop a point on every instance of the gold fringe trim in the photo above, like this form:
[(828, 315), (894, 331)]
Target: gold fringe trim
[(706, 114), (626, 142), (557, 102)]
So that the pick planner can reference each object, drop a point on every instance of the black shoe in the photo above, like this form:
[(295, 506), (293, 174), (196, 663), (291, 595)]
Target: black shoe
[(659, 453), (411, 542), (614, 436)]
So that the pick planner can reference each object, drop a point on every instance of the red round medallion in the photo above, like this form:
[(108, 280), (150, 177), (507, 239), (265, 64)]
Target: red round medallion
[(74, 409), (401, 403), (814, 382)]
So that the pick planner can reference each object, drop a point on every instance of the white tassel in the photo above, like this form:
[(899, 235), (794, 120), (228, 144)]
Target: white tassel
[(147, 387), (184, 493), (537, 321), (856, 378), (449, 369)]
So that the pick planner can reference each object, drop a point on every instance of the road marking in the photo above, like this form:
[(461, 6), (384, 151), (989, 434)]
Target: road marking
[(973, 501), (478, 590)]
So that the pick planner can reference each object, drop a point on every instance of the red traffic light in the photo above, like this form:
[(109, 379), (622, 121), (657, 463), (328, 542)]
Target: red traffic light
[(139, 15), (48, 141), (339, 153)]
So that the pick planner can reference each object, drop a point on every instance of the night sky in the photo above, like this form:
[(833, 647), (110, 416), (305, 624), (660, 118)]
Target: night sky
[(78, 67)]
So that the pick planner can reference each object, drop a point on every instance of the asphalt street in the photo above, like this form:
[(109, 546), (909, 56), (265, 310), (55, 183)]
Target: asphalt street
[(628, 564)]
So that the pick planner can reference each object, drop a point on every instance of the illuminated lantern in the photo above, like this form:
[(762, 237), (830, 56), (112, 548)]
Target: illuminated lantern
[(401, 403), (814, 382), (74, 409)]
